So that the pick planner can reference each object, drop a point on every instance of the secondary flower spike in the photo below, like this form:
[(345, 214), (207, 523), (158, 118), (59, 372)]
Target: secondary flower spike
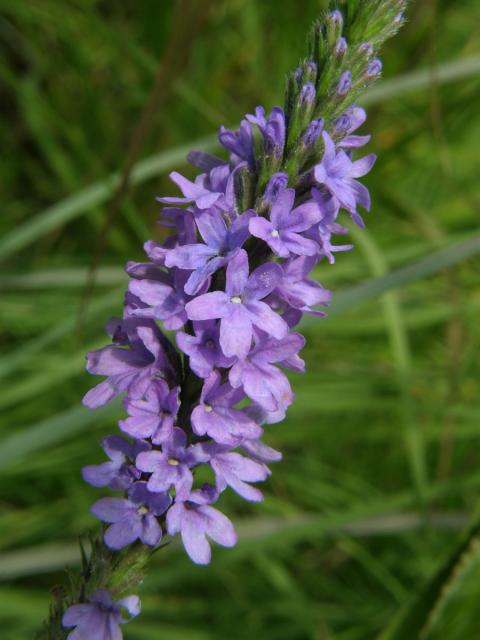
[(210, 319)]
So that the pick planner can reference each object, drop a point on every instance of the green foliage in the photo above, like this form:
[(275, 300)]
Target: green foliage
[(380, 466)]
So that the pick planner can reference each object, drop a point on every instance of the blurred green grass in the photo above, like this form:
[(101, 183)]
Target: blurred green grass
[(381, 465)]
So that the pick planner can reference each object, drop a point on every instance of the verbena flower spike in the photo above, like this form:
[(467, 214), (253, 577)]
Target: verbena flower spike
[(233, 283)]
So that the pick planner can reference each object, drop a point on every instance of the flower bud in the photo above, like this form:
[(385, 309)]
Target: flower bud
[(365, 50), (340, 48), (344, 84), (307, 95), (374, 68), (277, 183), (312, 133)]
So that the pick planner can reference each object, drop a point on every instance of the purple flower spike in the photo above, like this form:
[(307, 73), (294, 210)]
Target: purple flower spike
[(195, 520), (282, 231), (131, 369), (216, 417), (234, 470), (99, 618), (171, 466), (240, 306), (205, 259), (120, 473), (154, 416), (337, 172), (133, 518), (203, 349)]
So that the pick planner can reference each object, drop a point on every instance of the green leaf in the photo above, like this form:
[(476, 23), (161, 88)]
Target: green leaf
[(418, 619)]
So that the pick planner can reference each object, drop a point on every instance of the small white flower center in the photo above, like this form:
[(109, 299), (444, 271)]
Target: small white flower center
[(274, 234), (173, 461), (208, 408), (142, 510), (236, 300)]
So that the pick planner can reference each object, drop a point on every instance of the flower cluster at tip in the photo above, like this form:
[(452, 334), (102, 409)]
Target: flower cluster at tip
[(232, 282)]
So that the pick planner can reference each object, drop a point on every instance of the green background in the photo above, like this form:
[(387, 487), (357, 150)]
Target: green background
[(381, 464)]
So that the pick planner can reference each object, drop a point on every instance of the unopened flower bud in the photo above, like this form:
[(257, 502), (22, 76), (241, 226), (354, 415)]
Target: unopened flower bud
[(277, 183), (335, 18), (365, 50), (340, 48), (344, 84), (307, 95), (312, 133), (374, 68)]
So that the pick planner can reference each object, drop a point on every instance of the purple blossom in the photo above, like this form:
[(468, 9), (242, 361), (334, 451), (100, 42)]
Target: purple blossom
[(220, 244), (203, 348), (205, 191), (164, 296), (154, 416), (120, 473), (282, 232), (240, 306), (234, 470), (300, 291), (216, 416), (328, 227), (349, 122), (133, 518), (131, 366), (240, 143), (337, 172), (196, 520), (273, 130), (100, 617), (171, 466), (263, 382)]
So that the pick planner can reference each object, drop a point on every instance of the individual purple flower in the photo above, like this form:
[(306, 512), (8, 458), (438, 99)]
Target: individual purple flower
[(261, 380), (153, 416), (282, 232), (131, 366), (133, 518), (338, 172), (236, 471), (240, 143), (300, 291), (204, 192), (240, 306), (171, 466), (349, 122), (196, 520), (216, 416), (220, 244), (203, 349), (120, 473), (273, 130), (100, 618), (323, 233), (165, 297)]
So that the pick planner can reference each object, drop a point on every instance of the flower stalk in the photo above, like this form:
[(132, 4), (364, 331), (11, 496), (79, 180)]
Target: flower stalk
[(232, 282)]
